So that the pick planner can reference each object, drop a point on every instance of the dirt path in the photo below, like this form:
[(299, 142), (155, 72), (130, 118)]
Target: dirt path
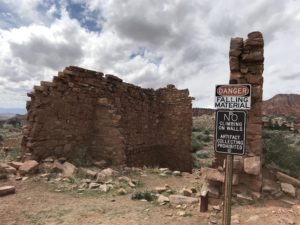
[(37, 203)]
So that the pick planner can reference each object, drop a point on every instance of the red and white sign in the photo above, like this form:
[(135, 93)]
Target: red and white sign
[(233, 96)]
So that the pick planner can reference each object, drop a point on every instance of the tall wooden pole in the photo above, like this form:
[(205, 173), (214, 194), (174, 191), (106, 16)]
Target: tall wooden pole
[(228, 191), (228, 178)]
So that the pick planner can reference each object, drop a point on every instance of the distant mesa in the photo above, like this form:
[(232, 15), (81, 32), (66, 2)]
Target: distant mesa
[(287, 105)]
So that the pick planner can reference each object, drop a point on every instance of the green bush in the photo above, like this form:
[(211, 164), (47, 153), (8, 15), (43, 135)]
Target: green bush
[(196, 145), (138, 195), (277, 149), (207, 132)]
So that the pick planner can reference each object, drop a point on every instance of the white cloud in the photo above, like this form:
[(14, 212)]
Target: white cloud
[(182, 42)]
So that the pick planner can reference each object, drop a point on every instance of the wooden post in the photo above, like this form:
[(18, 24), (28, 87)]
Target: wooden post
[(228, 191), (228, 176)]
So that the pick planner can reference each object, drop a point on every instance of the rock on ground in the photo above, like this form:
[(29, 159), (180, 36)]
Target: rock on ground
[(69, 170), (179, 199), (6, 190), (30, 166), (288, 189)]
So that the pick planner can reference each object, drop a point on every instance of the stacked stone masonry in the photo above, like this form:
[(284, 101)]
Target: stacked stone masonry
[(246, 59), (84, 115)]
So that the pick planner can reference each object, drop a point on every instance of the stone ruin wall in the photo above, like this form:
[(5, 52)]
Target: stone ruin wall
[(84, 115), (246, 66)]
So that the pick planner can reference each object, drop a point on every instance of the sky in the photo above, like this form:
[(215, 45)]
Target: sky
[(149, 43)]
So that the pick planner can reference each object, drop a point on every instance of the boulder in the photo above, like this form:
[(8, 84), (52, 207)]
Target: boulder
[(57, 167), (252, 165), (288, 189), (93, 185), (29, 167), (212, 174), (15, 164), (6, 190), (87, 173), (122, 191), (2, 167), (162, 199), (69, 170), (244, 198), (105, 174), (186, 192), (287, 179), (105, 187), (179, 199), (11, 170), (161, 189)]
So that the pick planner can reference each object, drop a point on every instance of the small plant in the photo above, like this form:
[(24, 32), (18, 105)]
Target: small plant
[(196, 145), (138, 195), (207, 132)]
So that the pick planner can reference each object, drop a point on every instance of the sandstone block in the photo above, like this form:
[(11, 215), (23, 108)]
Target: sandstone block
[(162, 199), (87, 173), (288, 189), (16, 164), (288, 179), (212, 174), (255, 34), (254, 42), (11, 170), (6, 190), (234, 64), (254, 129), (256, 56), (69, 170), (252, 165), (252, 181), (29, 167), (179, 199)]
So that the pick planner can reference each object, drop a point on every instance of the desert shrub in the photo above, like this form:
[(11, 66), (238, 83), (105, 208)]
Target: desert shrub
[(11, 154), (1, 139), (138, 195), (207, 132), (196, 163), (206, 138), (277, 149), (14, 122), (196, 145)]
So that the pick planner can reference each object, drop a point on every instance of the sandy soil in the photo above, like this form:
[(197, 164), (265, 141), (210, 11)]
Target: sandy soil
[(36, 202)]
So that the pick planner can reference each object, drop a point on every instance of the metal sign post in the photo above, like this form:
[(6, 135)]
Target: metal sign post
[(230, 131)]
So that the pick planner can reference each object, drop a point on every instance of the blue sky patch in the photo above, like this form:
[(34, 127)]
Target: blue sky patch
[(140, 51), (91, 20)]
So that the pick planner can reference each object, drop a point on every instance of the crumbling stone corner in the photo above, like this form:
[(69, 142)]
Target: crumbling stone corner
[(246, 60)]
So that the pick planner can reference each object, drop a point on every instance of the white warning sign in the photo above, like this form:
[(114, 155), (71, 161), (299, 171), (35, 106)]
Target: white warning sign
[(233, 96)]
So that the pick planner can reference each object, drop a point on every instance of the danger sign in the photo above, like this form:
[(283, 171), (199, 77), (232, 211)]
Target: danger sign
[(230, 132), (233, 96)]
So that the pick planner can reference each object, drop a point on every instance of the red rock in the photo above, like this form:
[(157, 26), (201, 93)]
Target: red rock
[(252, 165), (10, 170), (212, 174), (30, 166), (6, 190), (15, 164)]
